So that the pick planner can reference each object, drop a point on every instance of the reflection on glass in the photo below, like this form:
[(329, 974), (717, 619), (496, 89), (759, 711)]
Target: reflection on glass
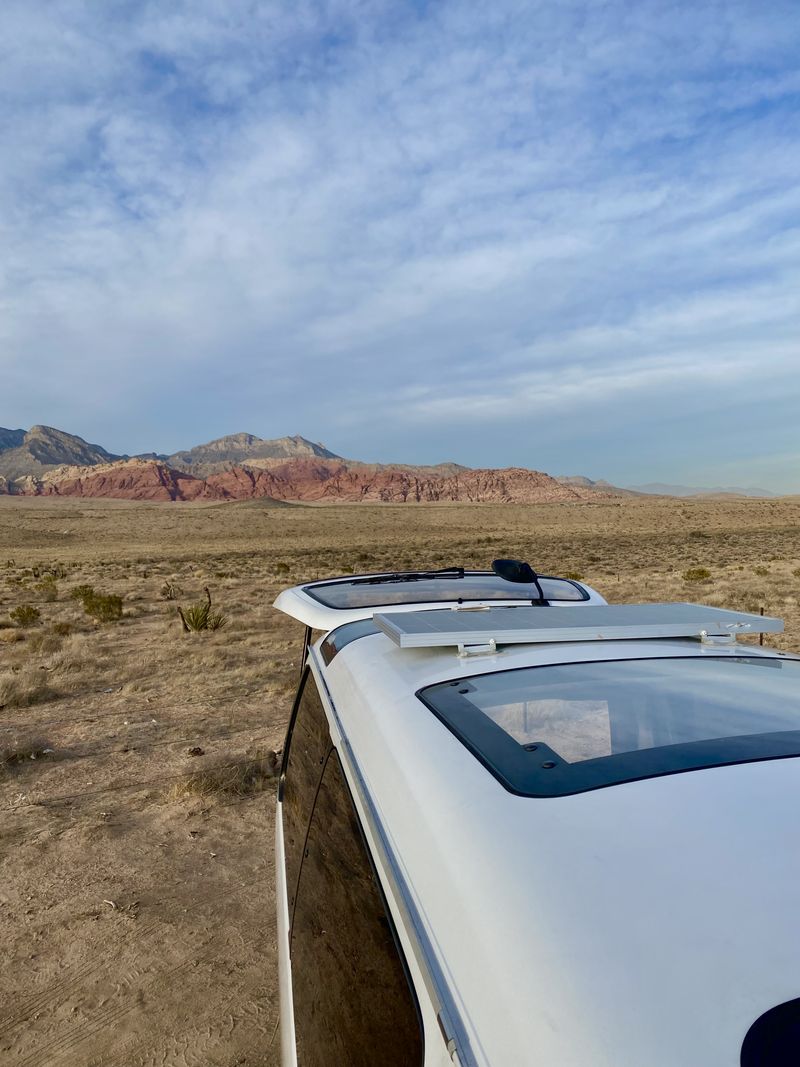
[(347, 594), (308, 747), (588, 710), (352, 1003)]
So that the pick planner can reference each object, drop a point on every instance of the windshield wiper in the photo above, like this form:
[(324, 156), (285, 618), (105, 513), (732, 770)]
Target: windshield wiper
[(410, 576)]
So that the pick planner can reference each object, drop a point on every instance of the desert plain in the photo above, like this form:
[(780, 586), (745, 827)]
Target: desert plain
[(138, 762)]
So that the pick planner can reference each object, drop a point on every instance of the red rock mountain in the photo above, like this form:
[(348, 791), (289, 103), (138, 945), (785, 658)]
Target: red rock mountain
[(48, 462), (315, 480)]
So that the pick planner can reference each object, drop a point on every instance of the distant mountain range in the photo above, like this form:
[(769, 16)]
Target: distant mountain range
[(582, 482), (244, 448), (38, 450), (44, 461), (662, 489)]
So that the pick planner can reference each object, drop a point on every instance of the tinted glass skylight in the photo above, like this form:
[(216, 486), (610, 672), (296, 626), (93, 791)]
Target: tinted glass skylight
[(355, 593), (560, 729)]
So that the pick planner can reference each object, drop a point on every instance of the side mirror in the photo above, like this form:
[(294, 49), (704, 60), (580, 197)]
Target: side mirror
[(514, 570)]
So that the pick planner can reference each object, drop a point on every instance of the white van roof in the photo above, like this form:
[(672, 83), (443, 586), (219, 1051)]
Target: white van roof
[(650, 922)]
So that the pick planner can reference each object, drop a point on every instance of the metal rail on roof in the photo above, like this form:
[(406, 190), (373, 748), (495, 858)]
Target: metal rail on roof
[(602, 622)]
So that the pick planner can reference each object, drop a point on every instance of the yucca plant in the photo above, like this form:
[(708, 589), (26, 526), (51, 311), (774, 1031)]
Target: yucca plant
[(198, 617)]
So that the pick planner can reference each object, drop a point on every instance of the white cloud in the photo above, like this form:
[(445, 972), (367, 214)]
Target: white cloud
[(305, 211)]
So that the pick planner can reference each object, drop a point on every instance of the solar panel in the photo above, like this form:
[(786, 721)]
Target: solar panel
[(534, 625)]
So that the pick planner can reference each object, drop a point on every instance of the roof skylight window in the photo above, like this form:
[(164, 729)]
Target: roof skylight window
[(555, 730)]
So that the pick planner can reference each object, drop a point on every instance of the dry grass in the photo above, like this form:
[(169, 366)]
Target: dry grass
[(17, 752), (130, 698), (242, 776)]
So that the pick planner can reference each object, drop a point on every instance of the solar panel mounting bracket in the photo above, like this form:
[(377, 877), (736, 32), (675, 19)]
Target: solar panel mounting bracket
[(487, 649)]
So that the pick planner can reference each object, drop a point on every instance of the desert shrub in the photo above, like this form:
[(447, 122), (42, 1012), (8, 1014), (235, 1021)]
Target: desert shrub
[(198, 617), (25, 615), (105, 607), (170, 591), (47, 588), (696, 574), (762, 572), (80, 592)]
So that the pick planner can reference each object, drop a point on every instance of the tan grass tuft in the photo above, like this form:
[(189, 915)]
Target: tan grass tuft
[(240, 776)]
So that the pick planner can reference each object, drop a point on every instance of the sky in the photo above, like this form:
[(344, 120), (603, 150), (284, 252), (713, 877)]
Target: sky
[(558, 234)]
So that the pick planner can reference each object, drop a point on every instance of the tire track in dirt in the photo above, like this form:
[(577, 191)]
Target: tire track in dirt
[(40, 1002), (59, 1045), (112, 1015), (198, 1042)]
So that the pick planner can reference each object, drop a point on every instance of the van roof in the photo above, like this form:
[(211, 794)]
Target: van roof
[(650, 922)]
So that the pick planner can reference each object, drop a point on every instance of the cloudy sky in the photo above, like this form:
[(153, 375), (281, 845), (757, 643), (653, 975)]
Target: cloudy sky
[(557, 233)]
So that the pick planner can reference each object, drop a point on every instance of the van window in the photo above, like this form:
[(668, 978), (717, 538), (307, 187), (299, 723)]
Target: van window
[(353, 1004), (565, 728), (307, 745), (382, 590)]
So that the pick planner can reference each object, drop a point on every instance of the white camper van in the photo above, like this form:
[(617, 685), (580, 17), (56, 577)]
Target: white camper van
[(519, 826)]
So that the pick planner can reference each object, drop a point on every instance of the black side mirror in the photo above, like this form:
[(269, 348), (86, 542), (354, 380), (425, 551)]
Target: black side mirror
[(514, 570)]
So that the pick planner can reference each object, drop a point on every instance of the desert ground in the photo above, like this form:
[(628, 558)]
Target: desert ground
[(138, 761)]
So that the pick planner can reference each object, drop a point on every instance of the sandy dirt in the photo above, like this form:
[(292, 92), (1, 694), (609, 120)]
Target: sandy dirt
[(136, 879)]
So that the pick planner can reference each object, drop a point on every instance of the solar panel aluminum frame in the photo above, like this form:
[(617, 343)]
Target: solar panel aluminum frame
[(528, 625)]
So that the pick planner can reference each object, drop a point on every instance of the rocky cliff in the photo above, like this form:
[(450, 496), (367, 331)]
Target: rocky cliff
[(312, 480), (44, 461)]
